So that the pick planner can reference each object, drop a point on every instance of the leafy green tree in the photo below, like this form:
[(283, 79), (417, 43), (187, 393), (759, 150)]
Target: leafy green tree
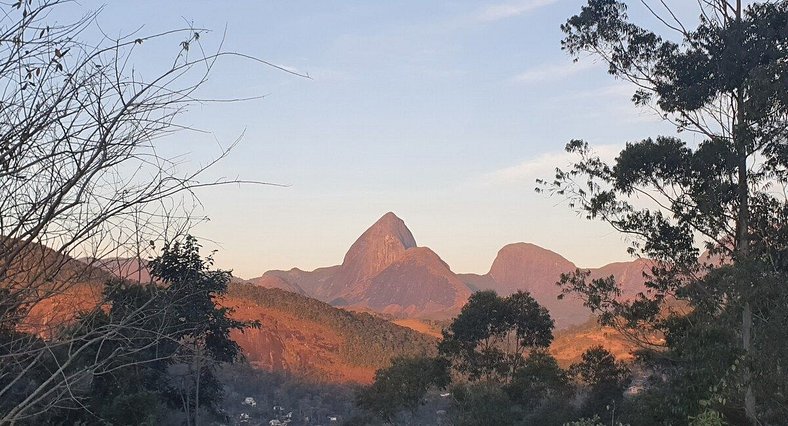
[(725, 81), (483, 403), (133, 387), (539, 379), (491, 335), (192, 289), (160, 343), (403, 385), (599, 368), (605, 379)]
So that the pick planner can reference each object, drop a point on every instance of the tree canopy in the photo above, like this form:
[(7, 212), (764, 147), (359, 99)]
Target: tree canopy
[(725, 81), (491, 335)]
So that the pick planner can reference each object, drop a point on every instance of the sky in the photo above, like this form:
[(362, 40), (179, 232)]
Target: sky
[(443, 112)]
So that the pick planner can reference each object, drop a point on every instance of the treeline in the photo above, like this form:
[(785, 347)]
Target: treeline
[(711, 325), (493, 367), (368, 341)]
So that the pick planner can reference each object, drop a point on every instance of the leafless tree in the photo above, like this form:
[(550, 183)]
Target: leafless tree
[(81, 177)]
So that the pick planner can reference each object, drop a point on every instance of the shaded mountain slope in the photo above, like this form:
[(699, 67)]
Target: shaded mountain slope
[(310, 282), (274, 281), (418, 284)]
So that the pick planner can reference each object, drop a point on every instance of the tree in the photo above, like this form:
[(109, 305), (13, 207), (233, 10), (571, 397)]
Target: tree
[(538, 380), (191, 291), (725, 81), (403, 385), (605, 378), (483, 403), (170, 336), (81, 177), (491, 334)]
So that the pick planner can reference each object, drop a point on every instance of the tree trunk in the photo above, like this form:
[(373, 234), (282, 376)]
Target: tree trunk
[(741, 253), (742, 241), (197, 389)]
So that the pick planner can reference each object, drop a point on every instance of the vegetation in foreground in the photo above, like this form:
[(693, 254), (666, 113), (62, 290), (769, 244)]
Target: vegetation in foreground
[(720, 358), (150, 354)]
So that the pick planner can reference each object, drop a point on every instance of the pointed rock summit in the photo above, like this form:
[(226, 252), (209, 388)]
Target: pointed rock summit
[(377, 248)]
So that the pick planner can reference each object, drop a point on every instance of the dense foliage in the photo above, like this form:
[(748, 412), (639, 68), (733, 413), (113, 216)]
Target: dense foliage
[(718, 318), (494, 362), (159, 345), (403, 385), (490, 336)]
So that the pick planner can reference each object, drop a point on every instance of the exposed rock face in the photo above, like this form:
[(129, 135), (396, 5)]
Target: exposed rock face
[(419, 283), (527, 267), (385, 271), (629, 275), (310, 282), (476, 282), (377, 248), (523, 266)]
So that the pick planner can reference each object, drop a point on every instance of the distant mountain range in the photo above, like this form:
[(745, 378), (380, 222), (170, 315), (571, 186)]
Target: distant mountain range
[(385, 271)]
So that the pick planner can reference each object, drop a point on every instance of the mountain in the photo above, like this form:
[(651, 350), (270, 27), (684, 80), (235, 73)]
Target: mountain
[(377, 248), (476, 282), (274, 281), (383, 271), (52, 285), (629, 275), (528, 267), (132, 269), (31, 265), (309, 338), (418, 284), (298, 335), (310, 282), (524, 266)]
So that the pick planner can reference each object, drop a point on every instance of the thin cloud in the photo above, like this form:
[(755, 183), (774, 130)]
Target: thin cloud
[(553, 72), (542, 166), (622, 90), (508, 10)]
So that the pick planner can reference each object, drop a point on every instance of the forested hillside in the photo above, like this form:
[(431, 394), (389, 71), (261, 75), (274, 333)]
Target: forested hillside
[(305, 335)]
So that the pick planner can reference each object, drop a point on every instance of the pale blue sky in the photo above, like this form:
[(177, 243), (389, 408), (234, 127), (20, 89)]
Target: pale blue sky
[(443, 112)]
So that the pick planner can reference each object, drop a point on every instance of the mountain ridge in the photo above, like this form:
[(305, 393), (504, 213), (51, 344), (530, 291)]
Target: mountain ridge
[(385, 271)]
